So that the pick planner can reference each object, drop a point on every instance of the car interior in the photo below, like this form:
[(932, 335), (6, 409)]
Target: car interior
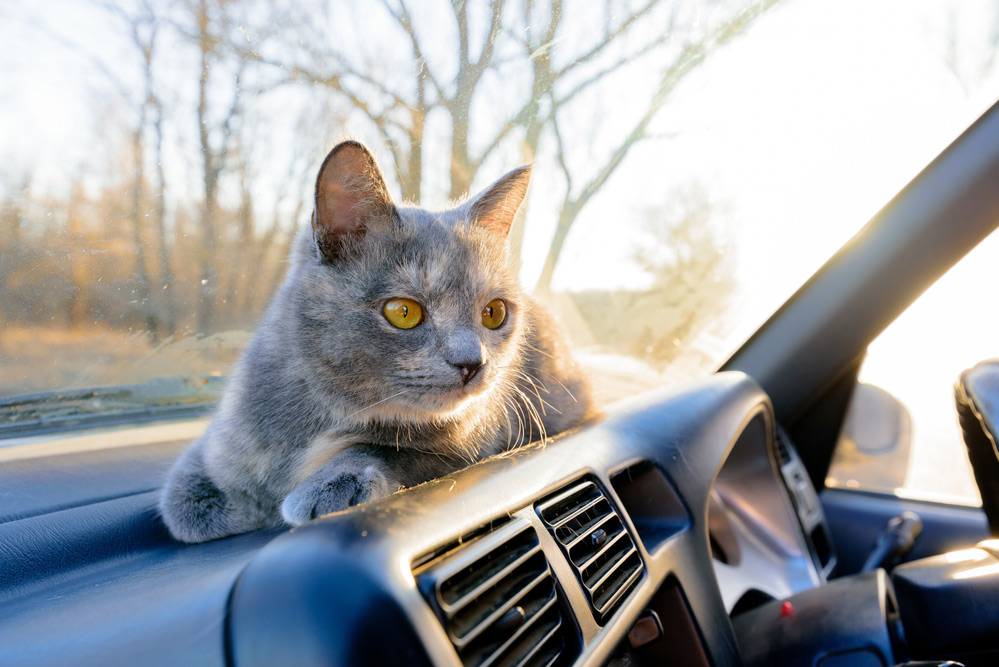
[(687, 526)]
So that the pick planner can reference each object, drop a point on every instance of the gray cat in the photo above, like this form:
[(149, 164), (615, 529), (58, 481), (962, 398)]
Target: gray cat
[(399, 348)]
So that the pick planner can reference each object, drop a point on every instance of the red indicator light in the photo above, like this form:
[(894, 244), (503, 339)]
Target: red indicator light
[(786, 608)]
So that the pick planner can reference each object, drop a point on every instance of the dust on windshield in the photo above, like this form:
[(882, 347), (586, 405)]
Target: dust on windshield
[(693, 163)]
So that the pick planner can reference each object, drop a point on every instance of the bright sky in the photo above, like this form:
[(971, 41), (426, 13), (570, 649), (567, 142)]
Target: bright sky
[(804, 128)]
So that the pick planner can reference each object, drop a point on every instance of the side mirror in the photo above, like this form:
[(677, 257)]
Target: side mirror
[(874, 445)]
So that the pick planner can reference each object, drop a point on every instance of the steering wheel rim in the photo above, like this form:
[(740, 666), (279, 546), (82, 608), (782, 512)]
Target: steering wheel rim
[(977, 396)]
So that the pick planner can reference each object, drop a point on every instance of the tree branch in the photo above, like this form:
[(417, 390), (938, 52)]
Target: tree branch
[(502, 134), (610, 69), (691, 56), (117, 84), (560, 156), (605, 42), (460, 9), (486, 56), (405, 20)]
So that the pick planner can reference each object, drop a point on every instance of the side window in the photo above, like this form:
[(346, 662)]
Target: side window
[(902, 434)]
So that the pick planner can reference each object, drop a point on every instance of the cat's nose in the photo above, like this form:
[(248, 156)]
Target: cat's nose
[(469, 370)]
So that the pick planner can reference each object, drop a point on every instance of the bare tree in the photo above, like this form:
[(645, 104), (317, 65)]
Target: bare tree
[(167, 279), (142, 29), (293, 193), (206, 26), (400, 108), (688, 256), (965, 72), (12, 212), (516, 38), (691, 54), (140, 25), (682, 246), (78, 269)]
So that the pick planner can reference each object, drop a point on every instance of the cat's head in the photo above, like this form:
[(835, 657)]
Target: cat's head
[(406, 314)]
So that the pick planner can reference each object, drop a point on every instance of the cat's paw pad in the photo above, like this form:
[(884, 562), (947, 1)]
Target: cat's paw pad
[(316, 497)]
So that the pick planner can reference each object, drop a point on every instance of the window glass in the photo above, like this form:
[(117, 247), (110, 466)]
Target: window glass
[(950, 328), (694, 162)]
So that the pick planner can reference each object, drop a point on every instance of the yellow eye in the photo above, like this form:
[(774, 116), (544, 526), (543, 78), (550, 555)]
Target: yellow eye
[(493, 314), (403, 313)]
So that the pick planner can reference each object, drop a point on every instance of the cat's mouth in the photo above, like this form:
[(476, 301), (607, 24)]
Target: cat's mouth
[(457, 394), (447, 398), (451, 398), (433, 399)]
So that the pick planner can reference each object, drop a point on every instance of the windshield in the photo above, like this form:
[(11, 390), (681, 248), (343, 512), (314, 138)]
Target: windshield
[(693, 162)]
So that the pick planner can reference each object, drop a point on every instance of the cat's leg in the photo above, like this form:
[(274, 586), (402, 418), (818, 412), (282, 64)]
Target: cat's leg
[(351, 477), (195, 509)]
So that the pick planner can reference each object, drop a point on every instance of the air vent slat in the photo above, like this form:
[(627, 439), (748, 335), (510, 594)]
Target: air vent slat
[(616, 582), (497, 599), (596, 542), (556, 508), (607, 518), (607, 548), (452, 565), (457, 604), (596, 578), (582, 510), (523, 639), (549, 647), (462, 637)]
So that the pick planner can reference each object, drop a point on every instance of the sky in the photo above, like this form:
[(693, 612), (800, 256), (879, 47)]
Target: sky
[(804, 129)]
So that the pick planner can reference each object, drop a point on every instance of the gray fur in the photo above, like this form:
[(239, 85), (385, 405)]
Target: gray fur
[(330, 405)]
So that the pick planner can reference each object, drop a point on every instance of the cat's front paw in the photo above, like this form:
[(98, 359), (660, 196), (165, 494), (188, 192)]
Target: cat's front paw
[(339, 489)]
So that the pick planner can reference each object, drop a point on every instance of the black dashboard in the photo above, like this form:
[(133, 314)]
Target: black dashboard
[(630, 541), (548, 555)]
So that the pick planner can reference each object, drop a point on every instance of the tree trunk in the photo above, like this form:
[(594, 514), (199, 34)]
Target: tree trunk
[(565, 219), (414, 168), (461, 172), (528, 150), (78, 265), (166, 289), (208, 287), (141, 267), (237, 259)]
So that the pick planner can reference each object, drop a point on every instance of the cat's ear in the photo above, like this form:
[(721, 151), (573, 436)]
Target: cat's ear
[(350, 196), (497, 206)]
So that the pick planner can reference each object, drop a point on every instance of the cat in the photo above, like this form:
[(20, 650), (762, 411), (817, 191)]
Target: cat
[(399, 348)]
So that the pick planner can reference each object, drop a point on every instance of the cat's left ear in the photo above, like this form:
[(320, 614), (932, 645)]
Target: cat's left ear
[(497, 206)]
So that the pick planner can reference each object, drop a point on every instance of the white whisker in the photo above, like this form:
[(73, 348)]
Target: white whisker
[(566, 389), (368, 407)]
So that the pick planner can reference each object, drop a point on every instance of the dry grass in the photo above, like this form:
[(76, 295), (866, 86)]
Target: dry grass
[(34, 359)]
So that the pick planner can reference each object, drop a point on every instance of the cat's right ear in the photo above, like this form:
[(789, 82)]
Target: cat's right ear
[(350, 196)]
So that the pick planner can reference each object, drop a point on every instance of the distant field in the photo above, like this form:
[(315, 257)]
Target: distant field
[(34, 359)]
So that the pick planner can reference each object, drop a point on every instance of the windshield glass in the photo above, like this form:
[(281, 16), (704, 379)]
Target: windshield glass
[(694, 162)]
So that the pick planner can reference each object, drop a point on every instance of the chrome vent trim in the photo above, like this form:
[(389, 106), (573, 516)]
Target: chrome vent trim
[(496, 598), (595, 541)]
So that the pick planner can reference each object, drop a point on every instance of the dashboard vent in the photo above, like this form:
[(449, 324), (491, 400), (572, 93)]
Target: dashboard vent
[(496, 598), (596, 542)]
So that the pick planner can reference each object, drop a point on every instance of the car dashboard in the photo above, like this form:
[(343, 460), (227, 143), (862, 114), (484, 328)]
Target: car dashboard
[(629, 541)]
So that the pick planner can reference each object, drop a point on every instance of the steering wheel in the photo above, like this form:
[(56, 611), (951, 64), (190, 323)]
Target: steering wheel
[(977, 397)]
